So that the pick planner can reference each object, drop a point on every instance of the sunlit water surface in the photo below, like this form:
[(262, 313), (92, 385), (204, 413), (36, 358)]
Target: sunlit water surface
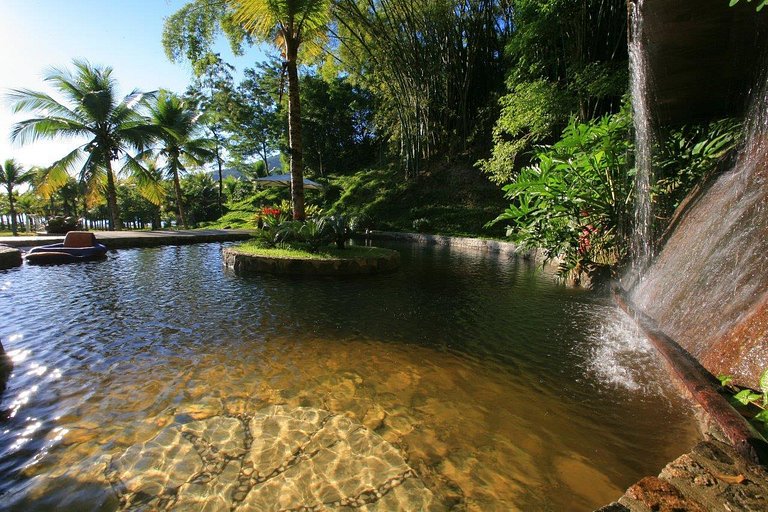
[(502, 390)]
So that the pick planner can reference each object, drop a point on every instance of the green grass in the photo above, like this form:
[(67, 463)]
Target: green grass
[(21, 233), (446, 200), (326, 253)]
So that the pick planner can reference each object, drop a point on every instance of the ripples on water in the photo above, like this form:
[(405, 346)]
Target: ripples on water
[(504, 390)]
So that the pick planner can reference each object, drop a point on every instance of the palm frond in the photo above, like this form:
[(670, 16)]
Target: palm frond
[(93, 175), (261, 18), (26, 100), (65, 83), (139, 136), (51, 179), (148, 181), (31, 130)]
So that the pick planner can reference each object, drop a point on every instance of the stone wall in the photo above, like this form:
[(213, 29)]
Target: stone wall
[(711, 477), (245, 263), (703, 56), (481, 244), (9, 257)]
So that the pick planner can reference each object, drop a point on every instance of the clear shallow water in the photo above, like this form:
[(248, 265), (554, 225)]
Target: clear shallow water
[(502, 390)]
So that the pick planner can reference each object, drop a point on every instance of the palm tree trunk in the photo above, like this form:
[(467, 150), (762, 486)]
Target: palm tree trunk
[(177, 188), (294, 131), (12, 208), (221, 178), (265, 157), (114, 210), (156, 222)]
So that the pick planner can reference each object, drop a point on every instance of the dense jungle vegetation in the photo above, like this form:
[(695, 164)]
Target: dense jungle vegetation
[(498, 118)]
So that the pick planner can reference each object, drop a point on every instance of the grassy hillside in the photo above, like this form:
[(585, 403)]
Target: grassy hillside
[(446, 199)]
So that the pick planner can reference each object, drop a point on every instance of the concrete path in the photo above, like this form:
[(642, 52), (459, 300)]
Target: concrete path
[(125, 239)]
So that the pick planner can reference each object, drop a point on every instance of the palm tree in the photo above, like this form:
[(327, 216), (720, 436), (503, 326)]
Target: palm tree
[(12, 176), (92, 111), (176, 124), (289, 24)]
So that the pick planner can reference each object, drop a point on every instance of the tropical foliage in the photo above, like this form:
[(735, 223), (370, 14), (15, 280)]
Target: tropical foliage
[(13, 175), (758, 3), (175, 122), (435, 66), (90, 110), (573, 200), (567, 58), (291, 26), (757, 400), (687, 156)]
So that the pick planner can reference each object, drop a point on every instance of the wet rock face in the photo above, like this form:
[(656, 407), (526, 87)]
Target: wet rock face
[(710, 477), (707, 289), (279, 459)]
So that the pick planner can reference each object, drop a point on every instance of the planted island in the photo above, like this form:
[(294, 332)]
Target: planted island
[(316, 246)]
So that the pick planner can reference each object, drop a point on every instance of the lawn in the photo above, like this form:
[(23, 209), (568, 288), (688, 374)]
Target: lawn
[(325, 253)]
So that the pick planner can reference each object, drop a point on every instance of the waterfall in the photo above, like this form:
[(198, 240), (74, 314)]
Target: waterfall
[(708, 286), (641, 246)]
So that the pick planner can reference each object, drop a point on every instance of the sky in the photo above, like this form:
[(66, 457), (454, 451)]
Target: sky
[(123, 34)]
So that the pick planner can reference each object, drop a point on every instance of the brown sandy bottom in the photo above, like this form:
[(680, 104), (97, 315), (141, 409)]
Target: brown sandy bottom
[(323, 425)]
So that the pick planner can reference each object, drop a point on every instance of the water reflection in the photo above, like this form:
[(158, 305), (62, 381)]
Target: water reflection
[(487, 377)]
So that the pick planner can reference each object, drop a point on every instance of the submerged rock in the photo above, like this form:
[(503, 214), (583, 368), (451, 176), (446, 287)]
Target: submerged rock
[(281, 458)]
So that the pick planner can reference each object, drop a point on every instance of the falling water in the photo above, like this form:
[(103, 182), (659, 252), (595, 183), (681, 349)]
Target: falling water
[(640, 79), (708, 287)]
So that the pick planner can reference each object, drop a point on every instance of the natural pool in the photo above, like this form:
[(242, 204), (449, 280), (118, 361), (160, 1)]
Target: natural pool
[(157, 378)]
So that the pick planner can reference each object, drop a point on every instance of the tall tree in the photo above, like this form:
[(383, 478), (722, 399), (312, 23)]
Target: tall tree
[(176, 123), (91, 110), (212, 90), (289, 24), (12, 176), (436, 67), (254, 121)]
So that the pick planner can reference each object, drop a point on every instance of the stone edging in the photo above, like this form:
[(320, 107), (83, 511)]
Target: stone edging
[(496, 246), (171, 239), (244, 263), (9, 257), (712, 476)]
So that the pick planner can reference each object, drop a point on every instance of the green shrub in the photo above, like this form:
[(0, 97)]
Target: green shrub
[(422, 225), (59, 225), (688, 155), (338, 228), (754, 403), (574, 201), (359, 224)]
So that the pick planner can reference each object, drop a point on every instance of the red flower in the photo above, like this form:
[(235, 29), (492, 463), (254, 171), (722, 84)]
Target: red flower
[(584, 239)]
